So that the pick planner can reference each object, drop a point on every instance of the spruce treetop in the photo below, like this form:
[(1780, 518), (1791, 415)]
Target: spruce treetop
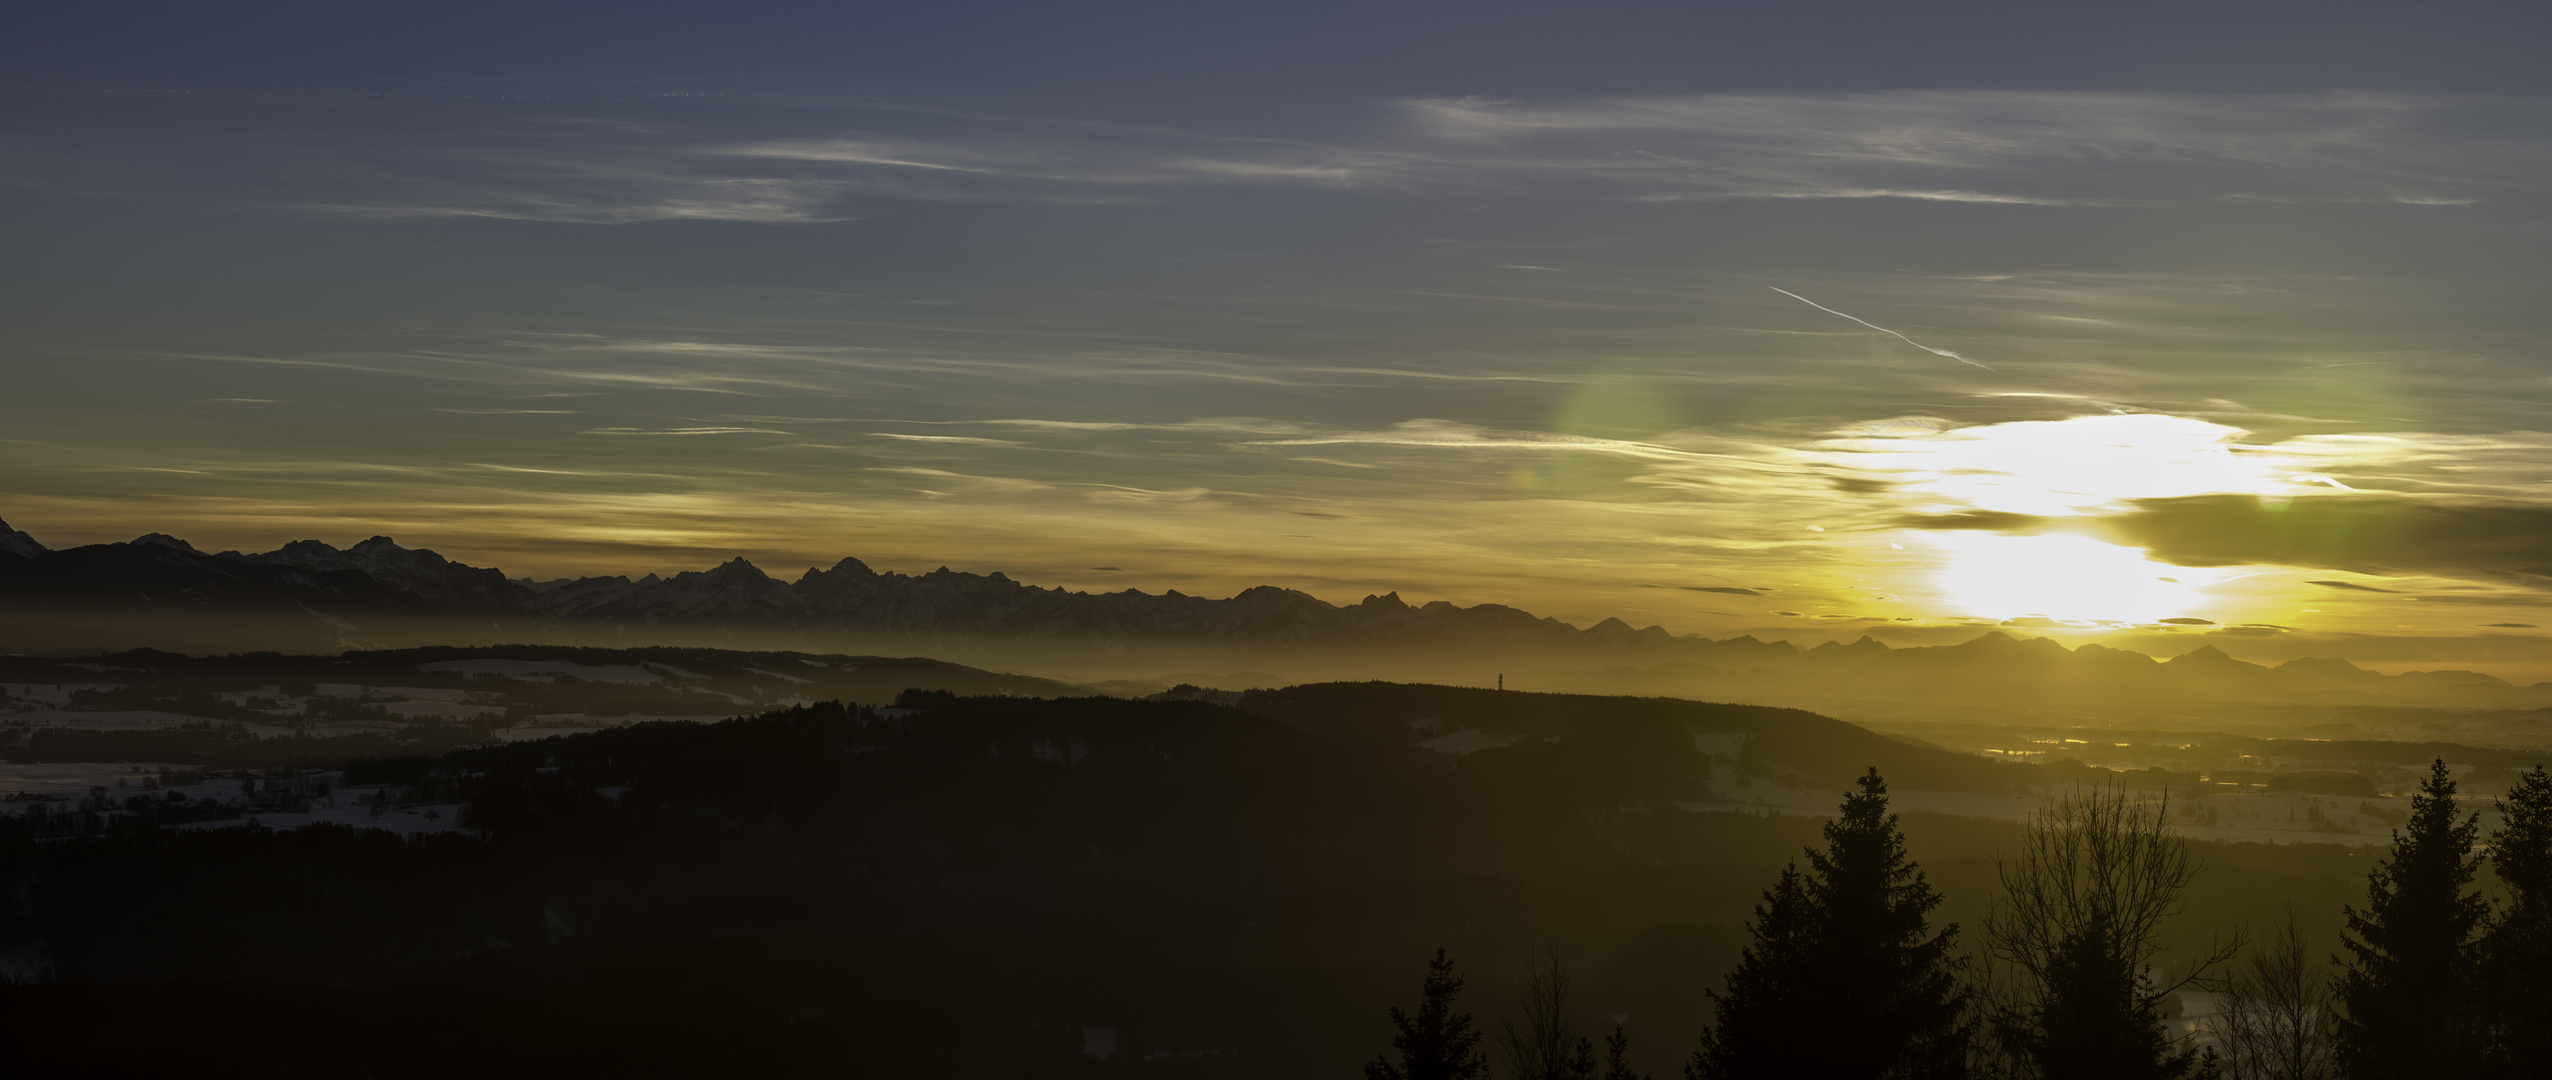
[(2407, 997), (1844, 945), (1437, 1043)]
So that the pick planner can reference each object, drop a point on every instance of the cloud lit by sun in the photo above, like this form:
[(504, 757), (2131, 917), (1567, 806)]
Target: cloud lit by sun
[(2056, 468), (1570, 391), (2074, 470)]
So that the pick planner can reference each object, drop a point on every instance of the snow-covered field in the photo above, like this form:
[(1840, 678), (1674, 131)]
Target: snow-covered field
[(413, 820), (542, 727), (454, 710), (1468, 741), (619, 673), (42, 694)]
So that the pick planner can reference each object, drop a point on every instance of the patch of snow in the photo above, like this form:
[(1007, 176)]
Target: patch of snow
[(1719, 744), (410, 821), (425, 693), (455, 710), (619, 673), (51, 693), (1468, 741), (26, 965), (542, 727)]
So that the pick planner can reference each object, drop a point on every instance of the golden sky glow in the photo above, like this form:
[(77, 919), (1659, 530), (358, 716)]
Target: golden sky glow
[(2286, 397)]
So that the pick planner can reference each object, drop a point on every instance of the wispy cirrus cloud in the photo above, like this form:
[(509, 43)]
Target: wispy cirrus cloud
[(780, 161), (682, 431), (1449, 435), (2014, 147)]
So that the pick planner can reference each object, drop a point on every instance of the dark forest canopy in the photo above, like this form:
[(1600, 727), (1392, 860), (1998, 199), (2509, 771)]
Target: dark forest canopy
[(864, 871)]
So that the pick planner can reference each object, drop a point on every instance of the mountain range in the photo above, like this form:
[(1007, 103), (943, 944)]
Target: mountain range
[(377, 577), (158, 590)]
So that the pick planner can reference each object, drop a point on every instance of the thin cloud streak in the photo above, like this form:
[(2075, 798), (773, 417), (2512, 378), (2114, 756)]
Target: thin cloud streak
[(1877, 327), (1984, 148)]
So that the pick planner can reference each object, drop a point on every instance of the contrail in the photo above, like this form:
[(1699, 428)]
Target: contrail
[(1877, 327)]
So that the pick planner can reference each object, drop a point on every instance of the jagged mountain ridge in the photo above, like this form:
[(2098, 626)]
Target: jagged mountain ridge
[(15, 542), (377, 578), (160, 570), (378, 574), (945, 601)]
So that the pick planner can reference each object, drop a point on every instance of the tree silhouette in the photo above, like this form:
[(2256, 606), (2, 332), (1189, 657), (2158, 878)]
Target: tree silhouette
[(2517, 954), (2406, 1000), (1539, 1043), (1438, 1043), (2272, 1021), (2079, 932), (1617, 1057), (1581, 1061), (1845, 947)]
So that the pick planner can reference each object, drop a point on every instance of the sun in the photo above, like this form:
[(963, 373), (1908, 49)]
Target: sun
[(2065, 578), (2054, 471)]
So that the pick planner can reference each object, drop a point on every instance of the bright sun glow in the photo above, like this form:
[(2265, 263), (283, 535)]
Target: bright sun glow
[(2067, 578), (2061, 468), (2082, 467)]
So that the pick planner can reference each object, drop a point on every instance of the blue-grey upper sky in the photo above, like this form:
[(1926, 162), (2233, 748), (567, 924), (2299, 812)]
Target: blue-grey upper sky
[(2223, 314)]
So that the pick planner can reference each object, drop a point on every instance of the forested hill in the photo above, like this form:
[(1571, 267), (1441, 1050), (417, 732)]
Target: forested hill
[(1626, 745), (1098, 853), (1014, 808)]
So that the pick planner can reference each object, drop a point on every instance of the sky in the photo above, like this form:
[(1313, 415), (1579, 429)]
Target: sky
[(2159, 325)]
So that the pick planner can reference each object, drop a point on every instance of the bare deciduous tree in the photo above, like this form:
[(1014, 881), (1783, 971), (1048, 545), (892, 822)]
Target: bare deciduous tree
[(2077, 936), (2274, 1020), (1539, 1043)]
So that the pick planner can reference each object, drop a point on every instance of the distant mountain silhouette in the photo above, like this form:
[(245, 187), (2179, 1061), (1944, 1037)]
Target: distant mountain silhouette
[(428, 576), (313, 596), (378, 574), (14, 542), (157, 570)]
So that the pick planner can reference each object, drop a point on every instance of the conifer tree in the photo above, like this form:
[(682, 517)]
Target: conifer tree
[(1581, 1061), (1437, 1043), (1845, 977), (2406, 999), (1617, 1056), (2517, 954)]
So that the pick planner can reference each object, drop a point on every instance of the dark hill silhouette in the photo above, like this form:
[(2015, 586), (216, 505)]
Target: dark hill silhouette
[(1585, 742), (962, 883)]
